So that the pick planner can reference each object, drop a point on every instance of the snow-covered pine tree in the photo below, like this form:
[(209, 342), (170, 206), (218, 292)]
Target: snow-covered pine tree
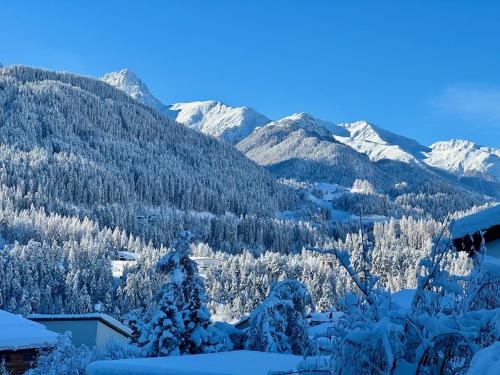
[(181, 323), (279, 323), (162, 336)]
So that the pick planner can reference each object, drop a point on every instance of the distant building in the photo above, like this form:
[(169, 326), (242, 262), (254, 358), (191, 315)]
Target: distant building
[(466, 231), (95, 329), (21, 340), (204, 263)]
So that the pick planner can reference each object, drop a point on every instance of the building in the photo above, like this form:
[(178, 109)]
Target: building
[(204, 263), (21, 340), (95, 329), (468, 232)]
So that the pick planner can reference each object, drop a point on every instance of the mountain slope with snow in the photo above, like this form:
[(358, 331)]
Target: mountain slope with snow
[(378, 143), (298, 146), (218, 119), (210, 117), (464, 158), (461, 158)]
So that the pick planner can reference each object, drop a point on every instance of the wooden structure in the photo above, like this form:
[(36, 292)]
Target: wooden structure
[(21, 340)]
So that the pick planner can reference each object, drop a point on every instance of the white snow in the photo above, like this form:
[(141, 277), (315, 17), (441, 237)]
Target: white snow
[(128, 82), (402, 299), (218, 119), (465, 158), (475, 222), (486, 361), (378, 143), (227, 363), (493, 249), (118, 267), (17, 333)]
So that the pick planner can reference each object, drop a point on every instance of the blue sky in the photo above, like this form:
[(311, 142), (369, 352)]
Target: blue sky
[(427, 69)]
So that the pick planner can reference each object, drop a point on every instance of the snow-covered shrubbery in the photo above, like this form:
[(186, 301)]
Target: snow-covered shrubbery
[(450, 318), (67, 359)]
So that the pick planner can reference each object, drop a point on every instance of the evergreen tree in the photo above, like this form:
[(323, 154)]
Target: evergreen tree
[(181, 322)]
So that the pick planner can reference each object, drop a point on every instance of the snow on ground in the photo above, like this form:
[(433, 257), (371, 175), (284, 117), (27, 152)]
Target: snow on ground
[(241, 362), (486, 361), (20, 333), (402, 299), (475, 222), (493, 249)]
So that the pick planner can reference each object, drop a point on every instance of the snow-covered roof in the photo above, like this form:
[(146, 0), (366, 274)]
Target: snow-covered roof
[(127, 255), (104, 318), (323, 317), (475, 222), (18, 333), (240, 362)]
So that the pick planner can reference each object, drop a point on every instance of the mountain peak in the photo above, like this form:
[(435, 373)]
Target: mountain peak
[(455, 144), (465, 158), (127, 81), (218, 119)]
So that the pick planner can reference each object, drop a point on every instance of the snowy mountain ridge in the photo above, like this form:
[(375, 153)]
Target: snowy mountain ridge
[(218, 119), (234, 124), (465, 158), (210, 117)]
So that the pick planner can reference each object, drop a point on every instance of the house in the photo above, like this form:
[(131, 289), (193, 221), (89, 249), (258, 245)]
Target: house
[(466, 231), (204, 263), (21, 340), (94, 329)]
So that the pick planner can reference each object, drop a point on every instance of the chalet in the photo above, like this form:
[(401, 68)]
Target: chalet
[(94, 329), (21, 340), (467, 232)]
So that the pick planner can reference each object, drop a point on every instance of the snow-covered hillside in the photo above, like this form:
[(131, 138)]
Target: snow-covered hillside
[(465, 158), (298, 147), (218, 119)]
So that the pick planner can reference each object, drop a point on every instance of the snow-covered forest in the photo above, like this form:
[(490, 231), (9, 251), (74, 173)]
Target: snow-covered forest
[(297, 220)]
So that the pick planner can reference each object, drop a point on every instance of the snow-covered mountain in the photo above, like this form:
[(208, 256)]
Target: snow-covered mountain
[(218, 119), (127, 81), (379, 143), (210, 117), (233, 124), (299, 146), (464, 158)]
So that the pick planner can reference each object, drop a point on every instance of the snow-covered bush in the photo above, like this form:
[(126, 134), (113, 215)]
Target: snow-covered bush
[(450, 318), (67, 359)]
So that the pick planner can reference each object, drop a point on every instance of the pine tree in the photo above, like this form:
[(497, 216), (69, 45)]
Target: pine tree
[(279, 324), (181, 322)]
